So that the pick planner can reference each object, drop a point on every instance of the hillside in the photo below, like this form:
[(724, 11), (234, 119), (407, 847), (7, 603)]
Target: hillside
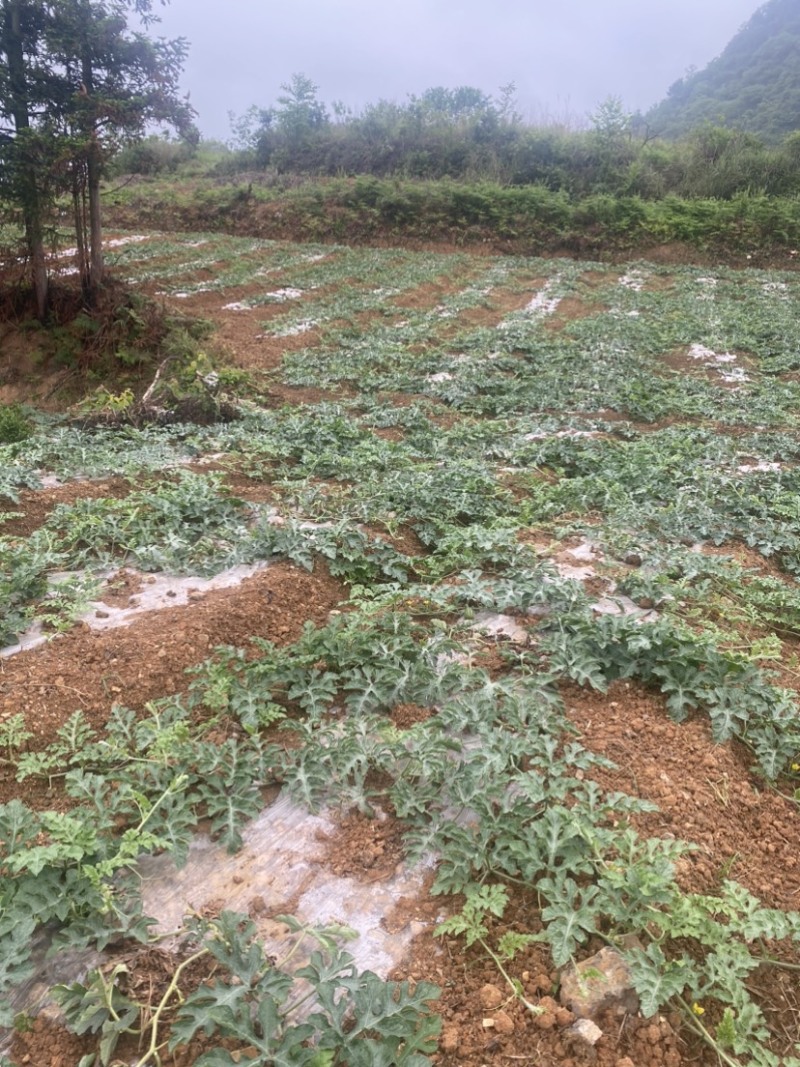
[(753, 85)]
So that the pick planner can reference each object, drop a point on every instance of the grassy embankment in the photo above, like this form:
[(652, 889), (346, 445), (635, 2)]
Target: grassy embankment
[(524, 220)]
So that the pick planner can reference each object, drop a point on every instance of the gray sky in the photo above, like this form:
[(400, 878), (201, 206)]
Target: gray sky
[(565, 56)]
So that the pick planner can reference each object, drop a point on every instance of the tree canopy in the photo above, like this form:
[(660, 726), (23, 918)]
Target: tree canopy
[(78, 82)]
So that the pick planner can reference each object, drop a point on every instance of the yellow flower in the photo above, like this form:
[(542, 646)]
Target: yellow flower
[(796, 766), (698, 1009)]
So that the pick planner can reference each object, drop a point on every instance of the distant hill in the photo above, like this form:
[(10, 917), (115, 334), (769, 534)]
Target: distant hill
[(754, 85)]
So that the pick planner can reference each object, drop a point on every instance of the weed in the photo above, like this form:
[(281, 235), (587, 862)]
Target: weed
[(14, 424)]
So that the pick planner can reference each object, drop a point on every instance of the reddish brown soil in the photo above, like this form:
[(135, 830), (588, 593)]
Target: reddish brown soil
[(571, 309), (90, 670), (658, 283), (429, 294), (389, 433), (119, 589), (596, 279), (46, 1044), (404, 716), (705, 793), (36, 505), (484, 1023), (404, 539), (240, 336), (682, 363), (369, 849), (748, 557)]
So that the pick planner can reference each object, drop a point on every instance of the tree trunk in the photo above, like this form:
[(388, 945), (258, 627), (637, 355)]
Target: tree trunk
[(96, 264), (79, 210), (31, 202), (41, 282)]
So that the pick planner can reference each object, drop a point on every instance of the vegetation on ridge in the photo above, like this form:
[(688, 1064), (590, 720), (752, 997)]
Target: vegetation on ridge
[(753, 86)]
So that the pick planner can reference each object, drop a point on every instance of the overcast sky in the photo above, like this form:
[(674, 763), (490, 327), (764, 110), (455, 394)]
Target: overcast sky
[(565, 56)]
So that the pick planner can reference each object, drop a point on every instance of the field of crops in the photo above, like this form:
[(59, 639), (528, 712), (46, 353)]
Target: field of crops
[(476, 633)]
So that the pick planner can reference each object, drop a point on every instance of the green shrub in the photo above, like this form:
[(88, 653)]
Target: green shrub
[(153, 155), (14, 426)]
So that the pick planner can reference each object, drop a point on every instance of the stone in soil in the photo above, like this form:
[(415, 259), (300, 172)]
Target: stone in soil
[(598, 984)]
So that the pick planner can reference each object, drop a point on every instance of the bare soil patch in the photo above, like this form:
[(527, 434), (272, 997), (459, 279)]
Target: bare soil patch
[(404, 716), (36, 505), (389, 433), (658, 283), (596, 279), (684, 363), (254, 490), (483, 1023), (750, 558), (498, 304), (571, 309), (89, 670), (369, 849), (47, 1044), (120, 588), (430, 293), (705, 792), (247, 346), (279, 395)]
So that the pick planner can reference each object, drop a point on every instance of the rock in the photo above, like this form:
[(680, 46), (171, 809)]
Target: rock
[(581, 1039), (491, 997), (503, 1023), (626, 1061), (585, 1032), (633, 559), (600, 983)]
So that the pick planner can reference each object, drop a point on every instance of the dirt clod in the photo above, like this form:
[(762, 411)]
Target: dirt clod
[(503, 1023), (490, 997)]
